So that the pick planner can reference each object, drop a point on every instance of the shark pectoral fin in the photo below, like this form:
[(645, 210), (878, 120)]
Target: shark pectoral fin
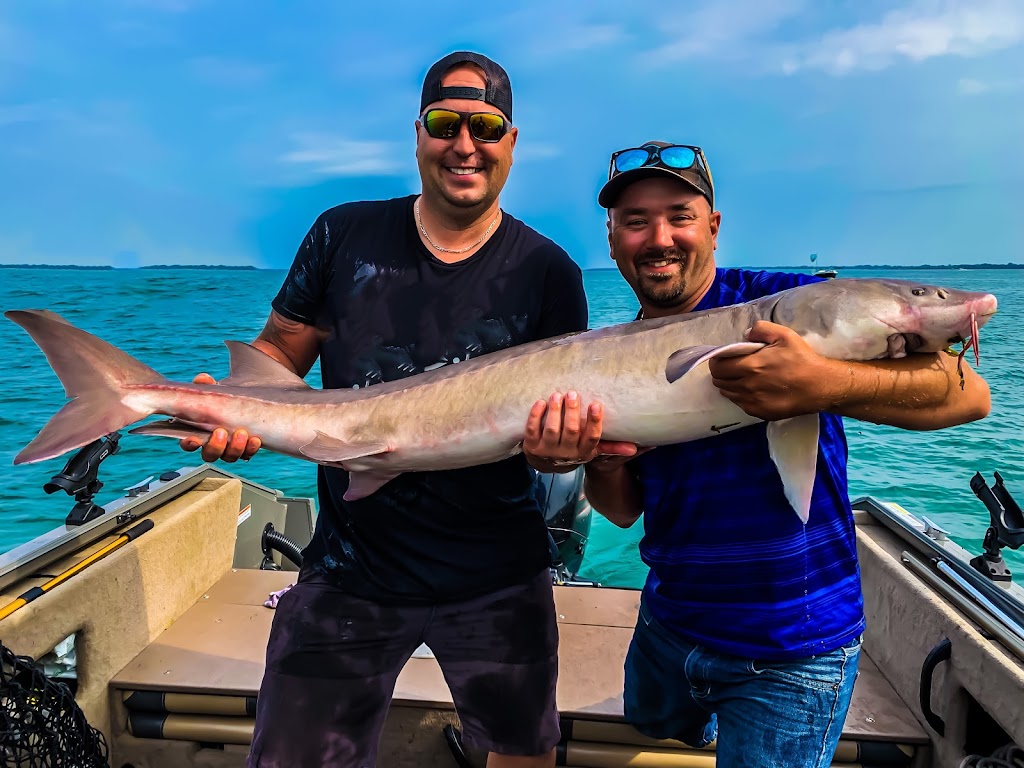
[(793, 446), (330, 450), (252, 367), (684, 360), (361, 484), (171, 428)]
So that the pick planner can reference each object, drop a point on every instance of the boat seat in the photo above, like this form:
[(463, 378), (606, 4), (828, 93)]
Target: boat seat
[(199, 679)]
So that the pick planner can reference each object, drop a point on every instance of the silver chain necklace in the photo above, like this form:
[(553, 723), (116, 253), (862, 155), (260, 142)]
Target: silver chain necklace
[(436, 247)]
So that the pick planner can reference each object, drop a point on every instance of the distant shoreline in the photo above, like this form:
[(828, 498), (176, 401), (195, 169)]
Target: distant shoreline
[(789, 268), (1011, 265), (840, 268)]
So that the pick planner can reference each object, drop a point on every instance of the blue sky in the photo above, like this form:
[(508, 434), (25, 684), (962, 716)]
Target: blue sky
[(136, 132)]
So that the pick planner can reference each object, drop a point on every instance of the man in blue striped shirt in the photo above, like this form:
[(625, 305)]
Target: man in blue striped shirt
[(750, 621)]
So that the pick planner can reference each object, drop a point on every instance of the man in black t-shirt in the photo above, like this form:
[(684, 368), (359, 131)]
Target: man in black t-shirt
[(457, 559)]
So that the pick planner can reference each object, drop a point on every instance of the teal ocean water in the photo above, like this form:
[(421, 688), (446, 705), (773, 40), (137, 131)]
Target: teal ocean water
[(176, 321)]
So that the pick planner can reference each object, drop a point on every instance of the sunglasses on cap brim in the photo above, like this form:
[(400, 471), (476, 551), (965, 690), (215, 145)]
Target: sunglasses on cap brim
[(678, 157), (446, 124)]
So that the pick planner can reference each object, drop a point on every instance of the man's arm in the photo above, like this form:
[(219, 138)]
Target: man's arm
[(613, 491), (787, 378), (295, 346)]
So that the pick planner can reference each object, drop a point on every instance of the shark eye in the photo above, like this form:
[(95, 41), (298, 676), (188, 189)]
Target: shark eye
[(918, 291)]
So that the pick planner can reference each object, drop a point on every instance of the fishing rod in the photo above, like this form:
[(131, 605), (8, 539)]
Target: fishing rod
[(36, 592)]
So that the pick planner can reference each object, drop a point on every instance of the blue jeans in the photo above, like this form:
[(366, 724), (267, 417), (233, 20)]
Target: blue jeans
[(764, 713)]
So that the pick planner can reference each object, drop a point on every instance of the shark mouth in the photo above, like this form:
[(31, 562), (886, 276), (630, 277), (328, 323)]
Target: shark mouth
[(902, 344)]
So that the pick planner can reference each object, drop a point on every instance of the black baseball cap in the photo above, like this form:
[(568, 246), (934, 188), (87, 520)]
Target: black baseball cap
[(697, 174), (497, 93)]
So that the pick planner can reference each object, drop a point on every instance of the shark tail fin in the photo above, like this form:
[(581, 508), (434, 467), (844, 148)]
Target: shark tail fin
[(95, 375)]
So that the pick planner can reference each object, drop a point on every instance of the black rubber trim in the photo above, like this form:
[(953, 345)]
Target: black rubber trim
[(454, 738), (145, 701), (883, 753), (943, 651), (32, 594), (147, 725), (138, 530)]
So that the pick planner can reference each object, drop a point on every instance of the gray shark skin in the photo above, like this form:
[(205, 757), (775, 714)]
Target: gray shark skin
[(650, 376)]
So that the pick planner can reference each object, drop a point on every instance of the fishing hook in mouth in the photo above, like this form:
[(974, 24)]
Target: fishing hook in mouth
[(973, 342)]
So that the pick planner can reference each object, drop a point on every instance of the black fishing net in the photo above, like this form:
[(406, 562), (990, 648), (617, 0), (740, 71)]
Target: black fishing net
[(41, 725)]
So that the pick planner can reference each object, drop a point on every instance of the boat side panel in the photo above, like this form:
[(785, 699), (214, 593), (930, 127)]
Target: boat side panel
[(119, 605), (905, 620)]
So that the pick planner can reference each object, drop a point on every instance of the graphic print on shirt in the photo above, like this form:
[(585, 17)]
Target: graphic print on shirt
[(391, 328)]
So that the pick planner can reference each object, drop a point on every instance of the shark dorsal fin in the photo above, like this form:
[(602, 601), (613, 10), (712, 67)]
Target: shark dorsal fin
[(251, 367)]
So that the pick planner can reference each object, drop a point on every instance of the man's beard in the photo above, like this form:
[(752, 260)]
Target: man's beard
[(661, 291)]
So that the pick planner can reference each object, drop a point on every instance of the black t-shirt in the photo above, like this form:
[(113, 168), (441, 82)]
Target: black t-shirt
[(391, 309)]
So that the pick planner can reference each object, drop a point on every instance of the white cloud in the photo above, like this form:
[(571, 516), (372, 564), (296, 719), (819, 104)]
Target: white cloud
[(924, 30), (779, 36), (723, 29), (575, 37), (333, 156), (586, 36), (971, 87), (566, 29)]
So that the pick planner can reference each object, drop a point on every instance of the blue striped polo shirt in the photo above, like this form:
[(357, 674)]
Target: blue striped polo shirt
[(732, 568)]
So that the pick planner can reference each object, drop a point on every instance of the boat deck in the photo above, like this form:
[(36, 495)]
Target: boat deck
[(216, 650)]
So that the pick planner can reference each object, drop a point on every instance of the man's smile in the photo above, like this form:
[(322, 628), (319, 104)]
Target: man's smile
[(659, 267)]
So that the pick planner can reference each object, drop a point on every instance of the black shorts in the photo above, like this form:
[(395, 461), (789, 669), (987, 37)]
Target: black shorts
[(333, 659)]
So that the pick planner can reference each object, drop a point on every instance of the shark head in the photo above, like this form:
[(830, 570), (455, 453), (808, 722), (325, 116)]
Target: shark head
[(866, 319)]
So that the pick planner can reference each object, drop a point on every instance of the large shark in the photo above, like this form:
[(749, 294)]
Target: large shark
[(650, 375)]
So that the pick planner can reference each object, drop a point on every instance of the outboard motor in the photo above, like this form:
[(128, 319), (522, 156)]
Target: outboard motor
[(567, 514)]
